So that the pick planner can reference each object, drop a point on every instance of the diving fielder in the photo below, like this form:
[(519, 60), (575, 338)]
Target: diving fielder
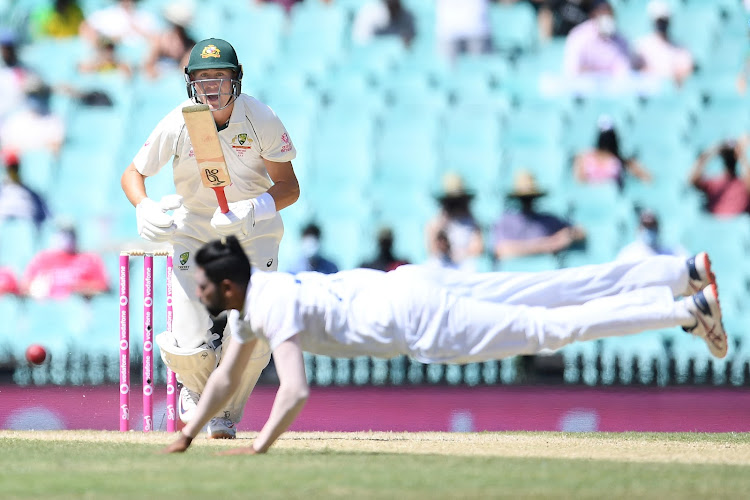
[(434, 317), (258, 153)]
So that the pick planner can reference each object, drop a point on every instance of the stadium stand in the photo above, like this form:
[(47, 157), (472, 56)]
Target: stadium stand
[(381, 123)]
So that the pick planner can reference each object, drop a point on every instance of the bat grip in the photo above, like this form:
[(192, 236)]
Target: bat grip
[(221, 197)]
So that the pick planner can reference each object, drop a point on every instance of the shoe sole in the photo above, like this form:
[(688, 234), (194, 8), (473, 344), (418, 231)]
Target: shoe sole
[(221, 435), (711, 277), (714, 307)]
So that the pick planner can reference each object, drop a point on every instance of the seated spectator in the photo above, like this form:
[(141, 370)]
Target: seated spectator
[(381, 18), (648, 241), (311, 258), (170, 49), (660, 56), (594, 47), (523, 231), (62, 270), (462, 27), (557, 17), (384, 260), (105, 60), (17, 201), (60, 19), (728, 193), (8, 282), (34, 126), (458, 224), (605, 163), (124, 23)]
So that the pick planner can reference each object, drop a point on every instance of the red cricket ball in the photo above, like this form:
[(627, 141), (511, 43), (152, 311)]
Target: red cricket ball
[(36, 354)]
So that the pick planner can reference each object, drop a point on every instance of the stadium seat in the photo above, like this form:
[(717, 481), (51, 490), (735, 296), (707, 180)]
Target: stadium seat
[(513, 26), (632, 359)]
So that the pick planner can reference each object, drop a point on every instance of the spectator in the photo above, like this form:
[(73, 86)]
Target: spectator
[(441, 258), (18, 201), (660, 56), (170, 49), (13, 74), (311, 258), (556, 18), (648, 241), (60, 19), (381, 18), (62, 270), (605, 163), (594, 47), (728, 193), (124, 23), (522, 230), (287, 4), (105, 60), (8, 281), (462, 26), (34, 126), (384, 260), (455, 219)]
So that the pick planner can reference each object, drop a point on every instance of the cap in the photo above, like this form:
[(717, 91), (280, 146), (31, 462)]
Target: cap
[(212, 53)]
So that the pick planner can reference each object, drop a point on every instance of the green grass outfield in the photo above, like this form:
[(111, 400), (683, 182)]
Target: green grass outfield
[(102, 465)]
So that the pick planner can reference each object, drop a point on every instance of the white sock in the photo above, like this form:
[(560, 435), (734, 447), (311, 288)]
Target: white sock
[(683, 314)]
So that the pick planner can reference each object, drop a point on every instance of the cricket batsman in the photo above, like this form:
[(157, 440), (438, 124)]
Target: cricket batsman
[(258, 154)]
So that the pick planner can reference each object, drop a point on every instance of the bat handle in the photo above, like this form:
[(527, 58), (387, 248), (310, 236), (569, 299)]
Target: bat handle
[(221, 197)]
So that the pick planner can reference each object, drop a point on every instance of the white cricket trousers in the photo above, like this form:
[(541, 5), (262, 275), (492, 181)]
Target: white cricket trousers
[(454, 317)]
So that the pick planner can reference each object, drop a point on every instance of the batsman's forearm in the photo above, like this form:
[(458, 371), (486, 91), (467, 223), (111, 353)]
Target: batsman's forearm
[(133, 185), (286, 407), (215, 396)]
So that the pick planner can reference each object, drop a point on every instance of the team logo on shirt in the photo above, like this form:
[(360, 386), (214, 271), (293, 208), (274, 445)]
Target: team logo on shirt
[(241, 138), (183, 260), (287, 143), (210, 51)]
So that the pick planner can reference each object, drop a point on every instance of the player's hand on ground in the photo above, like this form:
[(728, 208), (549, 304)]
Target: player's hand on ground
[(154, 223), (181, 444), (239, 221)]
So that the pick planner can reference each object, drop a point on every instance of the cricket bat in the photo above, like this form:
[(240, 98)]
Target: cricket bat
[(207, 148)]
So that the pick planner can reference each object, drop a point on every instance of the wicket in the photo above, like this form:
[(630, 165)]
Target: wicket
[(148, 341)]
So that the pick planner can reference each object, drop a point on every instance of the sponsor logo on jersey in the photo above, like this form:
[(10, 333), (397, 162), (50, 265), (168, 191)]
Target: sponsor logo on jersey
[(269, 263), (183, 260), (210, 51), (287, 143)]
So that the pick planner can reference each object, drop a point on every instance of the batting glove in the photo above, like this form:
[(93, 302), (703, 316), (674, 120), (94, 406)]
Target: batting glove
[(242, 215), (154, 223)]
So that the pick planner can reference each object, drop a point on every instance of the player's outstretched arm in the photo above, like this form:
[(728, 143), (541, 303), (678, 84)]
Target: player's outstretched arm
[(290, 398), (219, 389)]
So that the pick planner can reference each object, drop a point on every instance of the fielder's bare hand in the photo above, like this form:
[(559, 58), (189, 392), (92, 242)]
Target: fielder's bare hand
[(181, 444)]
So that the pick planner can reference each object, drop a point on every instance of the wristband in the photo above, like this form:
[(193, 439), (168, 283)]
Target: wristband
[(265, 207)]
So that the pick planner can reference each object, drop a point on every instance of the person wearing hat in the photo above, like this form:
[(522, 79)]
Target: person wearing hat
[(660, 55), (171, 48), (454, 228), (648, 240), (258, 152), (523, 230)]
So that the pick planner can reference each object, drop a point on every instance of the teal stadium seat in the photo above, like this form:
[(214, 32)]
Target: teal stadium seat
[(514, 27), (633, 359)]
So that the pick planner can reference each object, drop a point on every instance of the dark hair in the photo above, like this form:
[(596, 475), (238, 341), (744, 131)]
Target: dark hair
[(608, 141), (728, 155), (312, 229), (224, 259)]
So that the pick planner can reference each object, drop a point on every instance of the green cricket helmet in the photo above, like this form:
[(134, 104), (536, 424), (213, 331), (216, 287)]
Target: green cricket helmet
[(213, 53)]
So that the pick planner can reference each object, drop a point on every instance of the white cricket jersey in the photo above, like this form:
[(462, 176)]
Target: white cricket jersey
[(325, 306), (254, 132)]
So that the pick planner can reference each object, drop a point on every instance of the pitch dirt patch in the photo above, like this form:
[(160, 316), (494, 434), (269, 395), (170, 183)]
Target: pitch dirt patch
[(727, 449)]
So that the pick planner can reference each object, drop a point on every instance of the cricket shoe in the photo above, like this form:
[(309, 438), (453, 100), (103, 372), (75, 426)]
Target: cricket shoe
[(705, 306), (221, 428), (699, 273), (187, 404)]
